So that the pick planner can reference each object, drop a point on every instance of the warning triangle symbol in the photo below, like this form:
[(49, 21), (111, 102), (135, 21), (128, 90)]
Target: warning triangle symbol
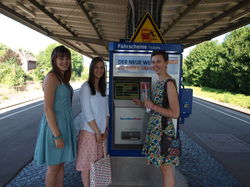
[(147, 32)]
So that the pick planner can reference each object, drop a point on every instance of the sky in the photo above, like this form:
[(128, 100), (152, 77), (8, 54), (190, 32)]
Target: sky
[(16, 35)]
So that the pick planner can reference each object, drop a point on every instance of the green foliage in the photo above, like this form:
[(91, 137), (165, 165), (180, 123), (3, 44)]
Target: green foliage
[(85, 73), (237, 59), (3, 48), (44, 63), (201, 64), (77, 65), (223, 66), (11, 74), (7, 55), (222, 96)]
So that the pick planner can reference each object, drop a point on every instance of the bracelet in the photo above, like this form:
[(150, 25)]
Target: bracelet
[(58, 137)]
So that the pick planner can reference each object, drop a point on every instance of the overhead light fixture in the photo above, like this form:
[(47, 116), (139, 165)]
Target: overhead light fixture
[(25, 9), (238, 16)]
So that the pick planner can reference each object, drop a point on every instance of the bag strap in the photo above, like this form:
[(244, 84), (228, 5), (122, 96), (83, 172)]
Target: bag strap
[(104, 150), (165, 103)]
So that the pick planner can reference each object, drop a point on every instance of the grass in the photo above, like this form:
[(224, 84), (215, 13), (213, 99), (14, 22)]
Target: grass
[(222, 96)]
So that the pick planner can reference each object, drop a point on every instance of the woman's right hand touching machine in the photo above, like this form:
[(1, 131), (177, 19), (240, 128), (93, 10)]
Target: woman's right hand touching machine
[(138, 102)]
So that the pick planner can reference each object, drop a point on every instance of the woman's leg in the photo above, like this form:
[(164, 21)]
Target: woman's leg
[(168, 179), (60, 176), (51, 175), (85, 178)]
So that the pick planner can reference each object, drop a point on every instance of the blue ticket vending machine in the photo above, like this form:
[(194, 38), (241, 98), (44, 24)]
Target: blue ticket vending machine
[(131, 76)]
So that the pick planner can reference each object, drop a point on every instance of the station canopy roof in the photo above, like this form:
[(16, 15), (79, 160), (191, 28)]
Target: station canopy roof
[(87, 26)]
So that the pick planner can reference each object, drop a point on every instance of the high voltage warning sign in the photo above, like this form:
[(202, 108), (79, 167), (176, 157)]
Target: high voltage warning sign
[(147, 32)]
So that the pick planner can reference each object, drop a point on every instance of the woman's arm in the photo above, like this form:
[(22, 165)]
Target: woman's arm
[(87, 111), (174, 110), (139, 102), (49, 85), (105, 135)]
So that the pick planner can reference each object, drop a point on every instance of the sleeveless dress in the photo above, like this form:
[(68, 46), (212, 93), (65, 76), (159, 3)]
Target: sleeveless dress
[(45, 151), (151, 147)]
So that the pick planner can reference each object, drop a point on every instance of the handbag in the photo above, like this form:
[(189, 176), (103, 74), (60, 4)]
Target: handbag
[(100, 171), (170, 146)]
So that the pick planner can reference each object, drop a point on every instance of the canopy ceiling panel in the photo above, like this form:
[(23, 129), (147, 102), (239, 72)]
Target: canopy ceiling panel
[(87, 26)]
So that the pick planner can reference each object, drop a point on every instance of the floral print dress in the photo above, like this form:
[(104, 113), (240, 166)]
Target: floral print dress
[(151, 147)]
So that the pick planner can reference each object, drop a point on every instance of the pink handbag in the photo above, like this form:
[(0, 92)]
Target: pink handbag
[(100, 171)]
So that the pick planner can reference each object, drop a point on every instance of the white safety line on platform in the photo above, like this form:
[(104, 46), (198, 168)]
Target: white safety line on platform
[(20, 111), (247, 122), (228, 108), (76, 90)]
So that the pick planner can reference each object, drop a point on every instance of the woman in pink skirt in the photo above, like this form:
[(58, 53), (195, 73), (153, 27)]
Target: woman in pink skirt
[(94, 118)]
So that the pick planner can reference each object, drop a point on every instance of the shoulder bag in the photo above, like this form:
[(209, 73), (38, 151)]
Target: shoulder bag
[(100, 171), (170, 146)]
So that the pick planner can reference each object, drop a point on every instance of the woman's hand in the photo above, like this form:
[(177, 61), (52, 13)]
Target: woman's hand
[(149, 104), (138, 102), (98, 137), (59, 143), (105, 135)]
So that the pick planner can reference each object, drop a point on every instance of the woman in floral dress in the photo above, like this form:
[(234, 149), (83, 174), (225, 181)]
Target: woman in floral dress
[(152, 145)]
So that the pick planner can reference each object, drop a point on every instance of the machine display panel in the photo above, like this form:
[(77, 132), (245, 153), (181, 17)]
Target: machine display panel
[(127, 90)]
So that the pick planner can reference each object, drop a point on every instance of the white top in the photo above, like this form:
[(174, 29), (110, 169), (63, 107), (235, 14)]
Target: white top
[(94, 107)]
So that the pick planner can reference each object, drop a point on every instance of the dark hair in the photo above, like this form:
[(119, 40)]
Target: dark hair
[(102, 81), (164, 54), (57, 52)]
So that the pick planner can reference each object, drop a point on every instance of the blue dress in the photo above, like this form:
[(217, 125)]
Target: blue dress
[(46, 151)]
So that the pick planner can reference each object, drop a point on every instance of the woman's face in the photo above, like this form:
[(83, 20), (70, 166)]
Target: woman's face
[(99, 70), (63, 63), (159, 64)]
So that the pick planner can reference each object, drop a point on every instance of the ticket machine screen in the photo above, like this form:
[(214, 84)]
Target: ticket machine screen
[(127, 90)]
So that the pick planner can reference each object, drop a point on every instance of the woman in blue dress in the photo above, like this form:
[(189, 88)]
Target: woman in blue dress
[(152, 144), (56, 141)]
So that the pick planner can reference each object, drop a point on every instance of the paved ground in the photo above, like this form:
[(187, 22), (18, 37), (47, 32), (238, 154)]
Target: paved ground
[(33, 176), (199, 168)]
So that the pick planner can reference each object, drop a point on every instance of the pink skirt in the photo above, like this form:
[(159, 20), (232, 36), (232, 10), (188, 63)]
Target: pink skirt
[(88, 150)]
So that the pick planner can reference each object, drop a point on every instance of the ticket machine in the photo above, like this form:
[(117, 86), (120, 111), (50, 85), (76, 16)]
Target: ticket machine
[(130, 119), (131, 76)]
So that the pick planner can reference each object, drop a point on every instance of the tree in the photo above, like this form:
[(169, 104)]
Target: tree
[(7, 55), (11, 73), (77, 64), (44, 62), (201, 65), (3, 48), (223, 66), (236, 57)]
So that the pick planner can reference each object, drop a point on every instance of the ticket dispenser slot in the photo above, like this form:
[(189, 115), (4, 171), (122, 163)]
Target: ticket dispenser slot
[(130, 120)]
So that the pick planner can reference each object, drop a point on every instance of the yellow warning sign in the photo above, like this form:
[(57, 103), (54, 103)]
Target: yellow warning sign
[(147, 32)]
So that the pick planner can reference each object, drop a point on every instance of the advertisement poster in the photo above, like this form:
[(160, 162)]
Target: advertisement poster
[(141, 64)]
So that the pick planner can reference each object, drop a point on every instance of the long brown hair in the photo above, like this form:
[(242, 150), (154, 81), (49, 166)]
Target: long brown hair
[(57, 52), (102, 81)]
